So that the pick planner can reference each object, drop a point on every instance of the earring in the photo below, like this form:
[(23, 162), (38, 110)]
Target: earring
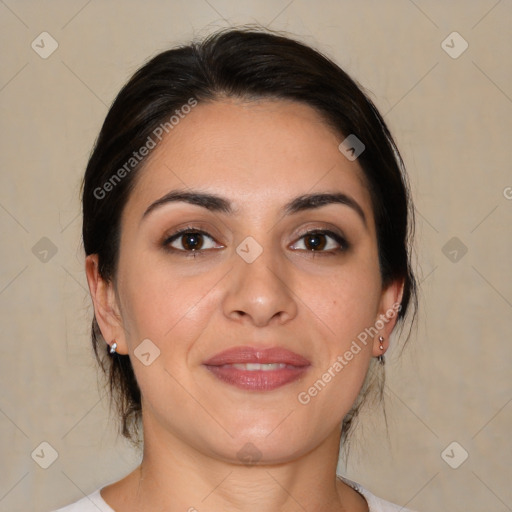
[(113, 348), (381, 346)]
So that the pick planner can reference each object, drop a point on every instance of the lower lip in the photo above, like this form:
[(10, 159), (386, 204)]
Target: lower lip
[(257, 380)]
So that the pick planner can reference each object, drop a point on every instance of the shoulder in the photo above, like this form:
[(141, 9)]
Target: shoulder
[(92, 503), (375, 504)]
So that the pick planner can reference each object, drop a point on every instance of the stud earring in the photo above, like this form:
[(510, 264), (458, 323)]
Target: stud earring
[(113, 348), (381, 346)]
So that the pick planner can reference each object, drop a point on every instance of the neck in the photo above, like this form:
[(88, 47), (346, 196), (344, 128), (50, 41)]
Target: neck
[(175, 476)]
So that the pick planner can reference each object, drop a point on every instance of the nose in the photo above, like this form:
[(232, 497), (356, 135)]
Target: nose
[(258, 292)]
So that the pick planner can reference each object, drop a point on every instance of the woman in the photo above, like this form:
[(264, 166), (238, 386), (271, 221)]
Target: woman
[(246, 225)]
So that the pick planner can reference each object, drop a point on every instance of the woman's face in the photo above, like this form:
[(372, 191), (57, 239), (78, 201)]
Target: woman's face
[(255, 178)]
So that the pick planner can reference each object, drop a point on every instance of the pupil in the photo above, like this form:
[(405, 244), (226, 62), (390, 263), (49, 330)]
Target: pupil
[(192, 241), (315, 242)]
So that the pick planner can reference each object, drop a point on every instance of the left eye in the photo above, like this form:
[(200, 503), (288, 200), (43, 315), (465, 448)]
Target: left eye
[(320, 241)]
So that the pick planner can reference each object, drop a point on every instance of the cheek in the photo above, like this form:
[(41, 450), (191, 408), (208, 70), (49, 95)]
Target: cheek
[(164, 306), (346, 306), (174, 312), (346, 300)]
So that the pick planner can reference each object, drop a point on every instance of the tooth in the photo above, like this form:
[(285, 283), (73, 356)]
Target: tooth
[(259, 367), (272, 366)]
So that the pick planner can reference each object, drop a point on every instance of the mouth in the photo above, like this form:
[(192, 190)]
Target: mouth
[(257, 369)]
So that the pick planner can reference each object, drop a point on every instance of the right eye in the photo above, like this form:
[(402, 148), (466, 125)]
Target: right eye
[(190, 240)]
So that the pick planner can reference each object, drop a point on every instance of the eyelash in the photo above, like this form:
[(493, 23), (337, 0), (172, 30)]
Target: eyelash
[(343, 244), (188, 230)]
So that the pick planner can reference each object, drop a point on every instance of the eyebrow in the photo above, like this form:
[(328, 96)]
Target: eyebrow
[(312, 201), (218, 204)]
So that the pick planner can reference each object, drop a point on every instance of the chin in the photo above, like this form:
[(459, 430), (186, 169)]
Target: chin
[(269, 441), (261, 451)]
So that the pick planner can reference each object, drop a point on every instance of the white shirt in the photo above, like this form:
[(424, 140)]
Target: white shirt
[(95, 503)]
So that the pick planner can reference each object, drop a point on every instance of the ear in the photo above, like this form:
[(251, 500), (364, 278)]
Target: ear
[(106, 308), (390, 305)]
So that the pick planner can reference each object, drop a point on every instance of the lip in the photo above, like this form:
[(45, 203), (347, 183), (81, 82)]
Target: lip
[(292, 366)]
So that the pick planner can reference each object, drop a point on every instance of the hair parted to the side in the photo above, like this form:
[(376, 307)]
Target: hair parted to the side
[(249, 64)]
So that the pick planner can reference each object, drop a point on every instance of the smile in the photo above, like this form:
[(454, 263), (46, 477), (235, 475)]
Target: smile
[(257, 369)]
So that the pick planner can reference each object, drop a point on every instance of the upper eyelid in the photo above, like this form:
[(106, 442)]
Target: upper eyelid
[(174, 236), (186, 230), (327, 231)]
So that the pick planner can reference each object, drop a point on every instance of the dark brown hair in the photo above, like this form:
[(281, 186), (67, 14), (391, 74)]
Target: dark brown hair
[(246, 64)]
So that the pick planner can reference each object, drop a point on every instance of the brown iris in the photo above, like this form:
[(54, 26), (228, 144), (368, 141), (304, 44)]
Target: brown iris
[(315, 241), (192, 241)]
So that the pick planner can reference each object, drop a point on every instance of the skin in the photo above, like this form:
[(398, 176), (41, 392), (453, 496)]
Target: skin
[(258, 156)]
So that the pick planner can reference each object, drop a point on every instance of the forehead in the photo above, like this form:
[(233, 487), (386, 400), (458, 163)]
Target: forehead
[(265, 151)]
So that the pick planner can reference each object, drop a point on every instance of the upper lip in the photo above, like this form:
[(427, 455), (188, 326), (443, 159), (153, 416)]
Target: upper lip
[(245, 354)]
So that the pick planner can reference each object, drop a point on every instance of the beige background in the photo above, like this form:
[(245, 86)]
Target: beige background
[(452, 120)]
